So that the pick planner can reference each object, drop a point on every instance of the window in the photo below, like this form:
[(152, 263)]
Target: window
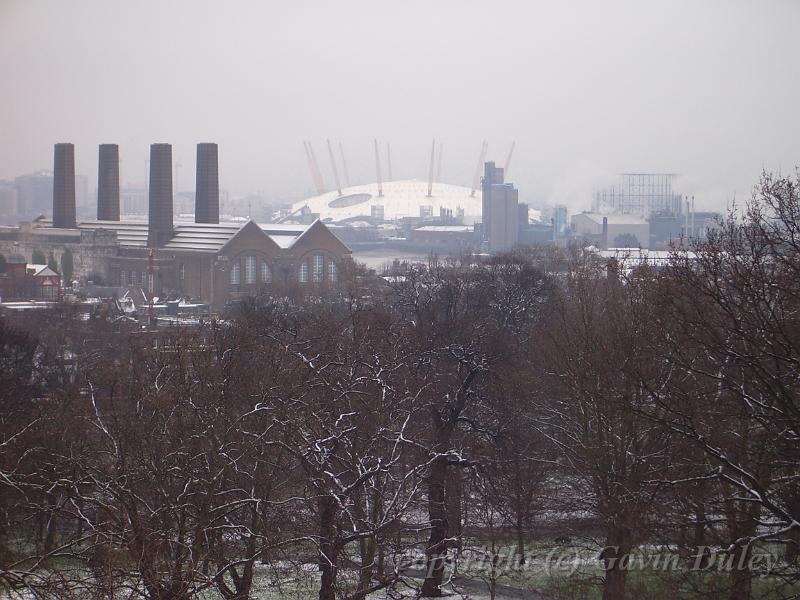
[(266, 273), (143, 280), (319, 263), (250, 269), (235, 274), (332, 274), (304, 272), (182, 272), (150, 287), (123, 277), (49, 292)]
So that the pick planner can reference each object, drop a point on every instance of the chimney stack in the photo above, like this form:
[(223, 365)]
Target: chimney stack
[(108, 183), (160, 210), (206, 202), (64, 186), (605, 234)]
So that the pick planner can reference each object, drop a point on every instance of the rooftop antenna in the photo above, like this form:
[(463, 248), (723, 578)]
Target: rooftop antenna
[(476, 181), (508, 160), (344, 165), (439, 165), (314, 175), (430, 170), (378, 167), (389, 160), (335, 170), (316, 168)]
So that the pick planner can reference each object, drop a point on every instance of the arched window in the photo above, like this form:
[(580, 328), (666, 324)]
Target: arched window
[(304, 272), (235, 273), (332, 273), (319, 263), (250, 269), (266, 273)]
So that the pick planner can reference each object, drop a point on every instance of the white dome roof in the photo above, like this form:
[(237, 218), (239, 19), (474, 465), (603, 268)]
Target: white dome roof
[(400, 199)]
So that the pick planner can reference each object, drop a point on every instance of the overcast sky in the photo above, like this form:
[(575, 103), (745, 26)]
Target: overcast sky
[(710, 90)]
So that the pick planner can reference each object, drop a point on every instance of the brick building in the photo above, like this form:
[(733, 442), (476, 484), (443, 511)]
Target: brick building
[(23, 281), (215, 262)]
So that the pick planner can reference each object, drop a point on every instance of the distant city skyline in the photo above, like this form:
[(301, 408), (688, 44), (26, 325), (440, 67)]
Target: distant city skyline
[(586, 91)]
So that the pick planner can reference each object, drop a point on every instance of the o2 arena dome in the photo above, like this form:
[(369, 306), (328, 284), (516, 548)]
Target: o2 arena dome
[(394, 200)]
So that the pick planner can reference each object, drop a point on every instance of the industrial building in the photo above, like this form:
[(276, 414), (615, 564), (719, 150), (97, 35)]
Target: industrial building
[(418, 215), (22, 281), (390, 201), (500, 208), (640, 194), (612, 230), (214, 262)]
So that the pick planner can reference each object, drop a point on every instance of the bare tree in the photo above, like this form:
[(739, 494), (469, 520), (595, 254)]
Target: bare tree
[(597, 350)]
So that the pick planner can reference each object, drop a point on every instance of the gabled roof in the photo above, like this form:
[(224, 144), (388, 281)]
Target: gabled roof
[(285, 235), (249, 226), (195, 237), (200, 237), (40, 271), (203, 237), (314, 226)]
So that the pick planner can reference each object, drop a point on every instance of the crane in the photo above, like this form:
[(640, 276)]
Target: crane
[(508, 160), (476, 181), (335, 170), (430, 170), (344, 166), (378, 167)]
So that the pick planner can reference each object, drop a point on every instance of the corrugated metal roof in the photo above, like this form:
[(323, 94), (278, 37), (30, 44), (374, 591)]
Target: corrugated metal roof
[(195, 237), (202, 237), (190, 236)]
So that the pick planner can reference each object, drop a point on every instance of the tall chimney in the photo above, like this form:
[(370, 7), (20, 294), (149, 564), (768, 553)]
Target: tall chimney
[(206, 200), (160, 210), (108, 183), (64, 186), (605, 234)]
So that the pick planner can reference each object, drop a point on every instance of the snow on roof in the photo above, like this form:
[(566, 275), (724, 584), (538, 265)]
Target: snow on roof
[(198, 237), (190, 236), (40, 270), (400, 199), (633, 256), (446, 228)]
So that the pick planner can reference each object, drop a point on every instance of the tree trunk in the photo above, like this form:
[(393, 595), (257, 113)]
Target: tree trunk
[(615, 558), (454, 509), (436, 551), (520, 530), (327, 548), (367, 551), (380, 567), (793, 547), (741, 576)]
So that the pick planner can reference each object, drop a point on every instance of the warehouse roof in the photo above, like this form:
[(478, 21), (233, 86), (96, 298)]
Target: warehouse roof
[(190, 236)]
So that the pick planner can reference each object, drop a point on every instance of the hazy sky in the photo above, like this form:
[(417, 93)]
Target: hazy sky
[(710, 90)]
